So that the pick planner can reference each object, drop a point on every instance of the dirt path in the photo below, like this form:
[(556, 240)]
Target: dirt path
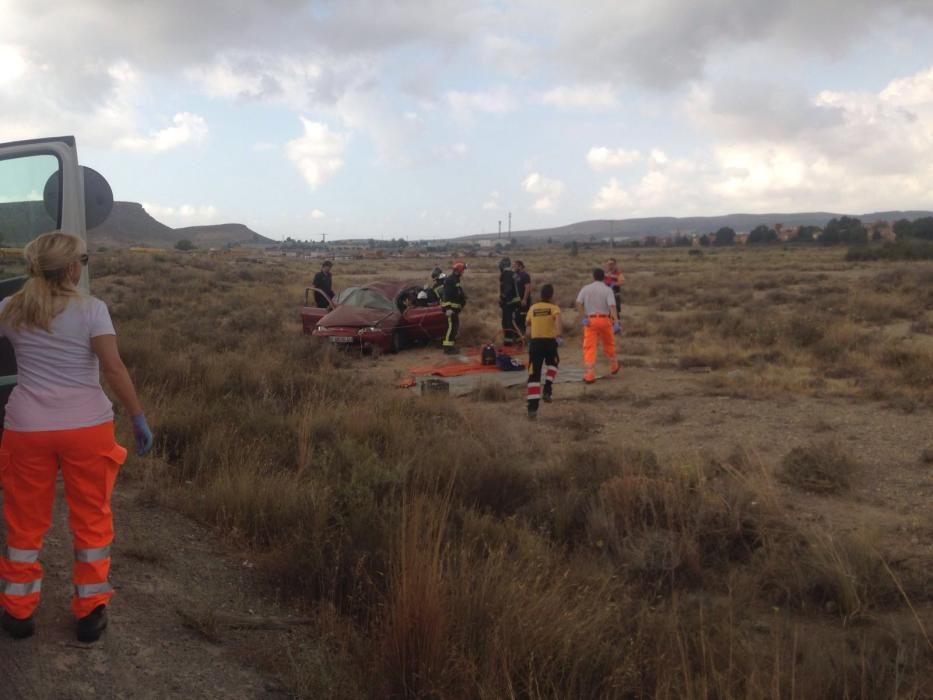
[(162, 564)]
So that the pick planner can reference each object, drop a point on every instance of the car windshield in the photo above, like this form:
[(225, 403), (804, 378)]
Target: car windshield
[(368, 299)]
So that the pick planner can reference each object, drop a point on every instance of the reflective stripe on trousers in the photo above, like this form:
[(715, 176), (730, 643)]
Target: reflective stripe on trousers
[(24, 556), (94, 554), (18, 589), (86, 590)]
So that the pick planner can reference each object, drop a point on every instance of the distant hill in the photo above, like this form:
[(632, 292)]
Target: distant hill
[(130, 224), (669, 225)]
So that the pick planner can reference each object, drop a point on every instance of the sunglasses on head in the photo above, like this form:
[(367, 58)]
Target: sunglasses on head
[(83, 259)]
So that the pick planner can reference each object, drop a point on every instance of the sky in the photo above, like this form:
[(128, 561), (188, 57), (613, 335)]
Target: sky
[(437, 118)]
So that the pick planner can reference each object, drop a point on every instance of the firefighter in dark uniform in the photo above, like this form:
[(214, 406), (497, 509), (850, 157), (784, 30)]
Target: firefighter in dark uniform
[(508, 301), (545, 329), (323, 286), (452, 301), (523, 292)]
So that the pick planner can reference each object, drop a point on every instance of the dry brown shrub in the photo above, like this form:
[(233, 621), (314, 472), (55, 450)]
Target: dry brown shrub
[(824, 467)]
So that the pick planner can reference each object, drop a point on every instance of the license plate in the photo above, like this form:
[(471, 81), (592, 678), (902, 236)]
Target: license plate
[(341, 339)]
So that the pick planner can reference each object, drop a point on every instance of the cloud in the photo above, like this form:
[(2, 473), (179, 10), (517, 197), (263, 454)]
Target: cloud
[(612, 197), (662, 44), (602, 158), (547, 192), (318, 154), (584, 97), (187, 128), (492, 203), (182, 214), (316, 214), (499, 100), (12, 64)]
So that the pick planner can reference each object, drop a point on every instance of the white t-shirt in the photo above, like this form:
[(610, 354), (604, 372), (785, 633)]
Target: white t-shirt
[(597, 298), (59, 375)]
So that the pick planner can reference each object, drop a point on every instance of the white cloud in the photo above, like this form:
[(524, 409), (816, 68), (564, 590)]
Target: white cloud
[(586, 97), (612, 197), (602, 158), (264, 147), (547, 192), (316, 214), (497, 101), (12, 64), (182, 214), (492, 203), (187, 128), (318, 154)]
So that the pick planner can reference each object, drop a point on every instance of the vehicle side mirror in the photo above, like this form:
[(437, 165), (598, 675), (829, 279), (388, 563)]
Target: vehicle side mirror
[(98, 197)]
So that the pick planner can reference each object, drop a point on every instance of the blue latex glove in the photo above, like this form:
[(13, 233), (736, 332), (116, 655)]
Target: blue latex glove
[(141, 434), (586, 320), (560, 341), (616, 327)]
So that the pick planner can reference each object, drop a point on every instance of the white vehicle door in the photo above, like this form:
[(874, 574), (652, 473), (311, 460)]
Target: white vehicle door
[(42, 189)]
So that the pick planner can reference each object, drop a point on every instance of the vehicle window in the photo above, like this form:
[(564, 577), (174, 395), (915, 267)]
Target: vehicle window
[(344, 293), (368, 299), (23, 211)]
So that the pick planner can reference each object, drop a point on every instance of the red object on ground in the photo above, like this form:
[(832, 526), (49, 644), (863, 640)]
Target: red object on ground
[(457, 367)]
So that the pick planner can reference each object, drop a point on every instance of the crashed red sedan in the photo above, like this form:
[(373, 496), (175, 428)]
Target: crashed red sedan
[(381, 315)]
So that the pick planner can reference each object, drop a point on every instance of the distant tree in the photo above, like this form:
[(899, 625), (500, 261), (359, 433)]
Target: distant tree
[(682, 241), (762, 234), (923, 228), (807, 234), (650, 241), (846, 229), (184, 244), (903, 229), (549, 240), (574, 249), (704, 239), (725, 236)]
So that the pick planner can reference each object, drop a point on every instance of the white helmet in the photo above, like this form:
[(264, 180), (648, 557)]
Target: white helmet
[(422, 295)]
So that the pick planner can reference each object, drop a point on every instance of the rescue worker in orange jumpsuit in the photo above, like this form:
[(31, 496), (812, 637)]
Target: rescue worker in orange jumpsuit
[(58, 417), (597, 304), (544, 327)]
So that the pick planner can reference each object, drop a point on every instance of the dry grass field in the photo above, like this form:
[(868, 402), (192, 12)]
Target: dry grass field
[(743, 513)]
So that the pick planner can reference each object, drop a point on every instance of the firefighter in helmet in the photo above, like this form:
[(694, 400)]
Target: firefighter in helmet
[(508, 301), (453, 300)]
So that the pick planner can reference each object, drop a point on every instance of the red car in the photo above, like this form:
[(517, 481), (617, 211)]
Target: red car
[(383, 315)]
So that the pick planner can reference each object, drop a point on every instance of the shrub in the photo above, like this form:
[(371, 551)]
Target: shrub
[(821, 468)]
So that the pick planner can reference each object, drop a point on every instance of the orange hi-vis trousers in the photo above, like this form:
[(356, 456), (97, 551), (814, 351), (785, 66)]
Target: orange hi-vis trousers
[(89, 459), (599, 330)]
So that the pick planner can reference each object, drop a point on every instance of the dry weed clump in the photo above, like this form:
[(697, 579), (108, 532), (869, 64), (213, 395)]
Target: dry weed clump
[(824, 467)]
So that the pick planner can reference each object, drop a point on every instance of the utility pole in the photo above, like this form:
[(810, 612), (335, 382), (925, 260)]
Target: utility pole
[(323, 238), (500, 228), (510, 225)]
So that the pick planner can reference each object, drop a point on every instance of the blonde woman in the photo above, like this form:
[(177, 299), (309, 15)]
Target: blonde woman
[(59, 417)]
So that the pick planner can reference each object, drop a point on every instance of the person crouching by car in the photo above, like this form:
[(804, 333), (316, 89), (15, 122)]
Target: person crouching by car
[(453, 301), (508, 301), (523, 291), (545, 330), (435, 289), (58, 417), (323, 286)]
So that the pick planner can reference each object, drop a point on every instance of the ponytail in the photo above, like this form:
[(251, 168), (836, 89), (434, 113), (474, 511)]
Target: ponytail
[(49, 287)]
